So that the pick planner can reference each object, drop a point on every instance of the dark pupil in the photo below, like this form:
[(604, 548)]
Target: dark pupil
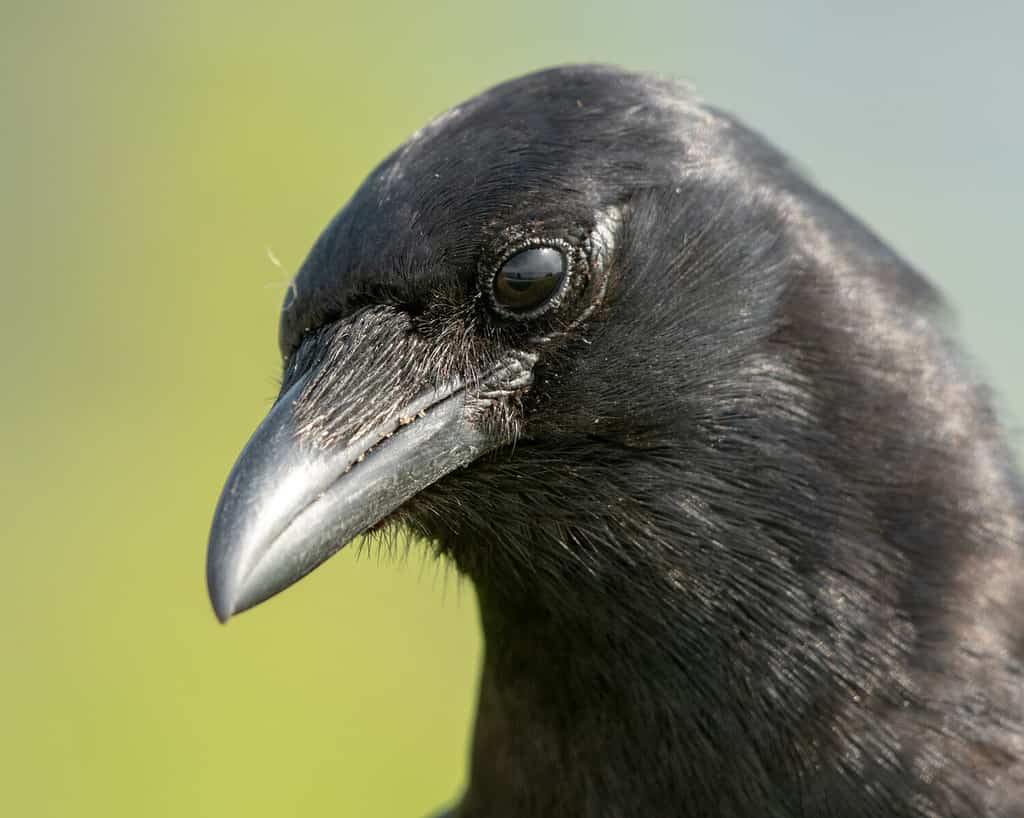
[(529, 278)]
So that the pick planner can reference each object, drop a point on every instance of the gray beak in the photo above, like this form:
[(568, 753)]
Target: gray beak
[(289, 504)]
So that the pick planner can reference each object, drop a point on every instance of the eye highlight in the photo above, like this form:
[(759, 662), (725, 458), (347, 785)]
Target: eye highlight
[(527, 280)]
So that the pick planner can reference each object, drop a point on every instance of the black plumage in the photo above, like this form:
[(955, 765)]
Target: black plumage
[(745, 530)]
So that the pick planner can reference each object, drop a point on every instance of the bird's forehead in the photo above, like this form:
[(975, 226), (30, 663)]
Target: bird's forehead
[(551, 149)]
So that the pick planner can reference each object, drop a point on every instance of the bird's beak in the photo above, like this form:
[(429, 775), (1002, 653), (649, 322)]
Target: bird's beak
[(289, 503)]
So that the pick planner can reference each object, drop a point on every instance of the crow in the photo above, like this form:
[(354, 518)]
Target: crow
[(744, 528)]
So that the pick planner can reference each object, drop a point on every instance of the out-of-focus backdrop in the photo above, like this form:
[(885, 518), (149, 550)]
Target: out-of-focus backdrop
[(155, 158)]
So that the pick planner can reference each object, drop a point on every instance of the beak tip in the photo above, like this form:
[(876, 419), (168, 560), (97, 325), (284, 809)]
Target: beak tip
[(234, 588), (226, 585), (222, 611), (222, 617), (220, 597)]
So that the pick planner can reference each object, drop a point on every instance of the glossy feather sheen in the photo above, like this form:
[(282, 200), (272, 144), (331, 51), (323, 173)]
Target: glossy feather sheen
[(758, 548)]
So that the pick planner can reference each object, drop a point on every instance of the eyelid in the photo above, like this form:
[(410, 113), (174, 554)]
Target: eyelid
[(571, 254)]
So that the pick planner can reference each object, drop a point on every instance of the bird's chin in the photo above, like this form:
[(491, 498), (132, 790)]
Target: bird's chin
[(289, 504)]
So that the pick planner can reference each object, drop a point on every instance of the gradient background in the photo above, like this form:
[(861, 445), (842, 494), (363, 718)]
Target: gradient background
[(150, 154)]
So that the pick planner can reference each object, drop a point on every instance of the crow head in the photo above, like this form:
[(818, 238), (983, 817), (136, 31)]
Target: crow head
[(532, 327), (691, 430)]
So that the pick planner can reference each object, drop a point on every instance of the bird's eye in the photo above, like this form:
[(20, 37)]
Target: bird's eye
[(528, 279)]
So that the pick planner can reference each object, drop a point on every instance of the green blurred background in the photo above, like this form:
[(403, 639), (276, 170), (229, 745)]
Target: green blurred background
[(151, 154)]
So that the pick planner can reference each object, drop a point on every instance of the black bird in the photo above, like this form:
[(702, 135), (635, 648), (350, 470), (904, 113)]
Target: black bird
[(745, 531)]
